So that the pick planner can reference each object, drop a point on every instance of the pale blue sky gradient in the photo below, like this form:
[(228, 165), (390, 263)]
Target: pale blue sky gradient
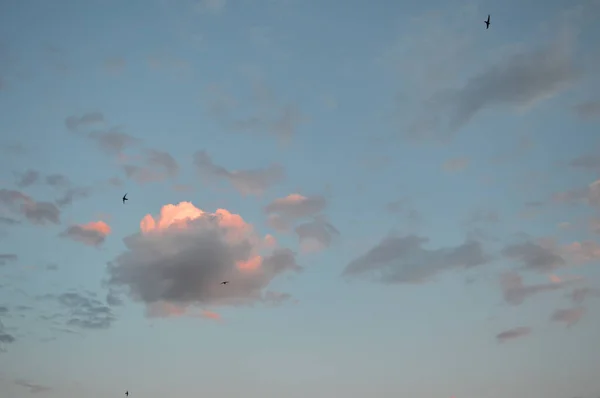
[(362, 75)]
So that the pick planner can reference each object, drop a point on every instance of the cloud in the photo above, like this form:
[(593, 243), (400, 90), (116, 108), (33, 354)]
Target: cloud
[(265, 113), (589, 162), (283, 211), (397, 206), (8, 221), (5, 337), (71, 194), (113, 299), (587, 110), (86, 312), (7, 258), (113, 141), (39, 213), (32, 387), (29, 177), (568, 316), (534, 256), (455, 165), (316, 235), (93, 233), (523, 80), (159, 165), (513, 334), (11, 148), (60, 182), (76, 123), (181, 257), (580, 294), (399, 259), (515, 292), (247, 182), (520, 81), (589, 195), (52, 267)]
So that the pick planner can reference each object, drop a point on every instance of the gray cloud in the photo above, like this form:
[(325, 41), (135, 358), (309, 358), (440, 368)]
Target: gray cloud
[(7, 258), (580, 294), (397, 206), (113, 299), (185, 266), (32, 387), (159, 165), (11, 148), (534, 256), (316, 235), (403, 260), (113, 141), (512, 334), (56, 181), (41, 212), (27, 178), (90, 237), (568, 316), (36, 212), (5, 337), (247, 182), (267, 115), (515, 292), (86, 312), (76, 123), (8, 221), (520, 81), (589, 162), (72, 194), (587, 110)]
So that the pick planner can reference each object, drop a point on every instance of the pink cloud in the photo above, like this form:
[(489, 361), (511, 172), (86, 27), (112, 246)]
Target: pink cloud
[(93, 233), (181, 256)]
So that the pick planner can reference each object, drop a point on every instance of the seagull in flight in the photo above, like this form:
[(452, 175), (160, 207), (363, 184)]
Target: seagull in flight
[(487, 23), (224, 282), (125, 198)]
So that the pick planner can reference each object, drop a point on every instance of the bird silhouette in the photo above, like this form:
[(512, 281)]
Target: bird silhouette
[(126, 393), (487, 23), (224, 282), (125, 198)]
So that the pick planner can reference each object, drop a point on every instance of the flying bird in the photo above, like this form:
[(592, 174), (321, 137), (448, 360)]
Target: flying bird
[(224, 282), (487, 23), (126, 393), (125, 198)]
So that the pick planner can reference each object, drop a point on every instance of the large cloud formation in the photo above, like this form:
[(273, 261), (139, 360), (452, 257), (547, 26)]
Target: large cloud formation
[(180, 258)]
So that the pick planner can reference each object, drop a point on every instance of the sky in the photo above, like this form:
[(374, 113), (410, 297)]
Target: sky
[(403, 202)]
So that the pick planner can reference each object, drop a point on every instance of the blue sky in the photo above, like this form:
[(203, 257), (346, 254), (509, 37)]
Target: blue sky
[(407, 199)]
